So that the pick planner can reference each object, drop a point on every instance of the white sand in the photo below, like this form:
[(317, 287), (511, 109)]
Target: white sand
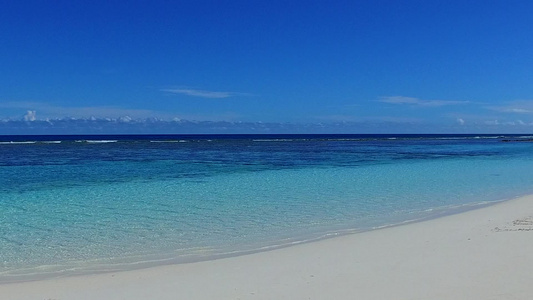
[(480, 254)]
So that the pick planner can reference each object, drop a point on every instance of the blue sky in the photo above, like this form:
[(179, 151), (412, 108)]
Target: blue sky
[(366, 66)]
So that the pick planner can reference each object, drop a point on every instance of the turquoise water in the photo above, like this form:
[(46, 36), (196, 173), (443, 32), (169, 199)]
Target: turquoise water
[(82, 204)]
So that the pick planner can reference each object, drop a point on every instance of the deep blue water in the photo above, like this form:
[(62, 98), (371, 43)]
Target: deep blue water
[(81, 204)]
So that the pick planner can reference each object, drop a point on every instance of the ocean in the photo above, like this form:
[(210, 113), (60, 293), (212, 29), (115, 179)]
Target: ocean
[(86, 204)]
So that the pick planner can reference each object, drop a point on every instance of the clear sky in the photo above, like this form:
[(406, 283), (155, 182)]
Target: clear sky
[(366, 66)]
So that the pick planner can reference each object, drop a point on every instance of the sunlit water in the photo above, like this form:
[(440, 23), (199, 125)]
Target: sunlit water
[(83, 204)]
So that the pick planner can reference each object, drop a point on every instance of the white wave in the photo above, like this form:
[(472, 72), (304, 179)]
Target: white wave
[(173, 141), (489, 137), (100, 141), (466, 137), (51, 142), (273, 140), (350, 140), (17, 143)]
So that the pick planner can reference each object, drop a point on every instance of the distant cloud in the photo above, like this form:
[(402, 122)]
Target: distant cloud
[(107, 111), (419, 102), (368, 119), (128, 125), (517, 107), (519, 110), (460, 121), (30, 115), (158, 126), (112, 113), (203, 93), (47, 110), (518, 123)]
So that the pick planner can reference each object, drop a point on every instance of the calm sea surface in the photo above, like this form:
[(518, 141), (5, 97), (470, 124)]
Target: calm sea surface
[(83, 204)]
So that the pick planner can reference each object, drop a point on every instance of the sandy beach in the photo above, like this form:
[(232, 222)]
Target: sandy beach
[(479, 254)]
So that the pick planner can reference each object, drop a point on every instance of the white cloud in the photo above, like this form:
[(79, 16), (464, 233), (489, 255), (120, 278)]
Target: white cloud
[(125, 119), (56, 111), (511, 110), (122, 115), (516, 107), (419, 102), (519, 110), (30, 115), (104, 111), (367, 119), (460, 121), (203, 93)]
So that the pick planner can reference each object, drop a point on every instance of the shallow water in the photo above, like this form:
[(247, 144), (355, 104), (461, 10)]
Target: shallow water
[(81, 204)]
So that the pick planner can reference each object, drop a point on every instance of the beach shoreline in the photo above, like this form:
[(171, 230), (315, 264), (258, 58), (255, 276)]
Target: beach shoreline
[(138, 263), (477, 254)]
